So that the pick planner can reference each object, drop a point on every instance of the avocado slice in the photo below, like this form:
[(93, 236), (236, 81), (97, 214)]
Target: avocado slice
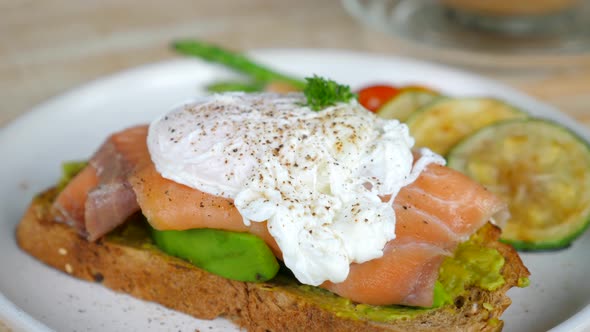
[(232, 255)]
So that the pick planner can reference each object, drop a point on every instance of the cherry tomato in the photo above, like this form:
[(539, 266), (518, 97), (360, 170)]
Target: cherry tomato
[(374, 96)]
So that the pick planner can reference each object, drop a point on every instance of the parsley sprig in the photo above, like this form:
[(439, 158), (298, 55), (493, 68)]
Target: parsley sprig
[(321, 92)]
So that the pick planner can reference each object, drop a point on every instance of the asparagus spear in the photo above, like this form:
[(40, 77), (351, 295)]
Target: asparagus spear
[(320, 92), (236, 61)]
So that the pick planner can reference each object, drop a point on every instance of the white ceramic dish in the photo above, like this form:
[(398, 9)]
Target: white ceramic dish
[(71, 126)]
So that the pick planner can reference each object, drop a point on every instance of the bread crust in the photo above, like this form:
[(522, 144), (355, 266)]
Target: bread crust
[(151, 275)]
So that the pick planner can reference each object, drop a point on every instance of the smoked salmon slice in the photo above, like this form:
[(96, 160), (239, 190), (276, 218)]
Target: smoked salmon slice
[(434, 214), (100, 197), (405, 274)]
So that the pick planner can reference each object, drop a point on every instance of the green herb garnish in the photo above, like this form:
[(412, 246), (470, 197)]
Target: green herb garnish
[(321, 92)]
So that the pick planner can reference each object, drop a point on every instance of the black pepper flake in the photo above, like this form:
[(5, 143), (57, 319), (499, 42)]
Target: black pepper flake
[(98, 277)]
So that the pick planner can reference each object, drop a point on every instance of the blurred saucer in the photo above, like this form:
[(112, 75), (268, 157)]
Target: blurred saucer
[(428, 25)]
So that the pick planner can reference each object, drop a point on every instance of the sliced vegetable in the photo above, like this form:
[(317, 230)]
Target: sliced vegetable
[(405, 103), (232, 255), (542, 170), (374, 96), (443, 123)]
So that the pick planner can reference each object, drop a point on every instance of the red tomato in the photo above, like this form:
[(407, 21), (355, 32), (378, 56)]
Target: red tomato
[(374, 96)]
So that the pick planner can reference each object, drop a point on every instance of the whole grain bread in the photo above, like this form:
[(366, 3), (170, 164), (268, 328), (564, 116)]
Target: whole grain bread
[(146, 273)]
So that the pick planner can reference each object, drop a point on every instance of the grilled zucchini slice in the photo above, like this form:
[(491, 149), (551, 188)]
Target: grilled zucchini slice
[(541, 169), (443, 123)]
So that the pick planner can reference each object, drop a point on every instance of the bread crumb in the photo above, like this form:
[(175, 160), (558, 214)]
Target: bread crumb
[(69, 268), (62, 251)]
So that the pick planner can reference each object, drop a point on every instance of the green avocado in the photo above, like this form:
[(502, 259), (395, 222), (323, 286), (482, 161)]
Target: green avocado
[(472, 265), (232, 255)]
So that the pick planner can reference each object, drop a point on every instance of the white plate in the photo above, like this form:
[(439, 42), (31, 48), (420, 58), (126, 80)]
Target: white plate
[(35, 297)]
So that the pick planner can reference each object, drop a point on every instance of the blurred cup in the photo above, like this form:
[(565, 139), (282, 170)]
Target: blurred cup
[(512, 16)]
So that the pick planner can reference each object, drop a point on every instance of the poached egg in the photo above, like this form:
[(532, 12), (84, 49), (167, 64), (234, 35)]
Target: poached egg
[(323, 180)]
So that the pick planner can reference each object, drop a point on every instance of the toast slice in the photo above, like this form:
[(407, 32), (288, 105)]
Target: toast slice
[(126, 262)]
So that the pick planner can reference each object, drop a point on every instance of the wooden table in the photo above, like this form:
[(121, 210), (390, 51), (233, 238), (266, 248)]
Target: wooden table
[(48, 47)]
